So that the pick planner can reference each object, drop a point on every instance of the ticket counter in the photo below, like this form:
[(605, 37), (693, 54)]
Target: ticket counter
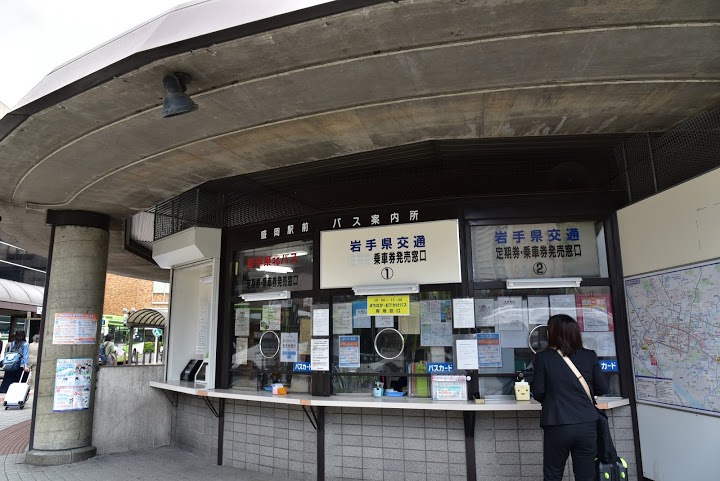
[(354, 316)]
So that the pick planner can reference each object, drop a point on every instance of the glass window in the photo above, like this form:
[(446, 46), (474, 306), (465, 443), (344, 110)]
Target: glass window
[(287, 266), (394, 350), (270, 337), (515, 321)]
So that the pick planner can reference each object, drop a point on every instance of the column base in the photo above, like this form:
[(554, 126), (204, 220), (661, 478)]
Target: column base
[(38, 457)]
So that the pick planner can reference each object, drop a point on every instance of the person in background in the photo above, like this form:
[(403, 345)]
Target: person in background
[(110, 351), (33, 353), (20, 345), (568, 419)]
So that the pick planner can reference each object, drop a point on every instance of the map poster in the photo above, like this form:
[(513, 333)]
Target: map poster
[(72, 384), (75, 328), (674, 321)]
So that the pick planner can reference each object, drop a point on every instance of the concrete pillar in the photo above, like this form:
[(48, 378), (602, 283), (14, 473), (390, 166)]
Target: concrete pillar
[(77, 264)]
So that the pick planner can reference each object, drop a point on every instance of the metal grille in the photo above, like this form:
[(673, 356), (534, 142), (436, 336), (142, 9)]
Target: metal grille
[(194, 208), (432, 170), (650, 164)]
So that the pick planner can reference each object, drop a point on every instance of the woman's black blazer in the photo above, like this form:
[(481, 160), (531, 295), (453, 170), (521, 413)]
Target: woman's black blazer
[(562, 396)]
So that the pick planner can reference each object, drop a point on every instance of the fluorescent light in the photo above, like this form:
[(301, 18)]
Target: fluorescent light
[(290, 254), (265, 296), (543, 283), (387, 289), (277, 269)]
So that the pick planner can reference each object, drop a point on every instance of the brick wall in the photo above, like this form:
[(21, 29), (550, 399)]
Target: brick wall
[(377, 444), (194, 427), (275, 439), (129, 292), (394, 444), (509, 444)]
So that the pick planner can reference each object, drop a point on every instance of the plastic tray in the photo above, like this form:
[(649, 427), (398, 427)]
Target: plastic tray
[(394, 393)]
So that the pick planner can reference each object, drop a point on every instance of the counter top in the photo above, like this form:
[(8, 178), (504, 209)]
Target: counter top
[(492, 403)]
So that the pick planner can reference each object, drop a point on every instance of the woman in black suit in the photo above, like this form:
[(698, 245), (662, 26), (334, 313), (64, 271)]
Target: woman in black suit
[(568, 417)]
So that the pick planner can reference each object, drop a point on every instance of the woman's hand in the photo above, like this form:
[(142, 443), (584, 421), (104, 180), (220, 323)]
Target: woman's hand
[(26, 369)]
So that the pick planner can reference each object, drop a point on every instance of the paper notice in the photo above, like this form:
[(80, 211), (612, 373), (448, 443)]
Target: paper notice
[(270, 318), (342, 318), (466, 352), (603, 343), (538, 309), (509, 314), (240, 356), (321, 322), (563, 304), (288, 346), (484, 312), (72, 328), (305, 328), (361, 320), (242, 321), (489, 352), (435, 323), (72, 384), (463, 313), (381, 322), (593, 315), (410, 324), (349, 351), (320, 354)]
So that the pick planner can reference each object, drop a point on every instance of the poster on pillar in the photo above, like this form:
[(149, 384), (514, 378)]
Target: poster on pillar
[(75, 328), (72, 384)]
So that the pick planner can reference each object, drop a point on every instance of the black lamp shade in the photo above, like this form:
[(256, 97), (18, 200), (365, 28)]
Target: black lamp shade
[(176, 101)]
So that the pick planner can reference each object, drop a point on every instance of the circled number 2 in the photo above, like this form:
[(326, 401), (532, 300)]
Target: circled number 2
[(539, 268)]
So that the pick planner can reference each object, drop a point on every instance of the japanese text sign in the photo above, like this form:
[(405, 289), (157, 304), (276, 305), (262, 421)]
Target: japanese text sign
[(388, 305), (417, 253)]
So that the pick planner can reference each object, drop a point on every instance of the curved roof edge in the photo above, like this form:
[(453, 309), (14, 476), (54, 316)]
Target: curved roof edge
[(12, 292), (148, 317), (189, 26)]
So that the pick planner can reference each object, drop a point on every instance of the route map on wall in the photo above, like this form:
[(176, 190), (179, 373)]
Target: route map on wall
[(674, 322)]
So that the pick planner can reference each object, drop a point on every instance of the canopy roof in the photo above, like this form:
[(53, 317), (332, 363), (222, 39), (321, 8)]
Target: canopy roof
[(148, 318), (292, 81), (20, 297)]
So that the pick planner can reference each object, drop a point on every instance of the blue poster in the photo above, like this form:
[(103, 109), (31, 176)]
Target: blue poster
[(359, 314)]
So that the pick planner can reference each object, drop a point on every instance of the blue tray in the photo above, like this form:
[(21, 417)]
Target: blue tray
[(394, 394), (267, 389)]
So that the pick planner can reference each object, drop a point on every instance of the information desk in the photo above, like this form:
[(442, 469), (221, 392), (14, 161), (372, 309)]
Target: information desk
[(492, 403)]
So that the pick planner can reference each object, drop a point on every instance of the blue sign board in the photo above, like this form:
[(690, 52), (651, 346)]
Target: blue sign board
[(609, 365), (440, 367), (302, 367)]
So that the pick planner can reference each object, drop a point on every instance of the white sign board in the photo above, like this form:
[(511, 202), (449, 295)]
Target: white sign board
[(415, 253)]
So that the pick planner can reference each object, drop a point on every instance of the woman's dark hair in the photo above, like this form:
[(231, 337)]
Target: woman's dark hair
[(108, 337), (20, 336), (564, 334)]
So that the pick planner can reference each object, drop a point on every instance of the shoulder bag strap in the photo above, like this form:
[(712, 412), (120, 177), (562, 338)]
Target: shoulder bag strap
[(579, 376)]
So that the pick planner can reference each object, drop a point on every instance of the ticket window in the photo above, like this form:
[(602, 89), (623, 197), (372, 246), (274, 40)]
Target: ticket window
[(392, 349), (512, 322), (272, 334)]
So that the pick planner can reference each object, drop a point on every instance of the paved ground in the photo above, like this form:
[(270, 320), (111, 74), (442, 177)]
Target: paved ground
[(162, 464)]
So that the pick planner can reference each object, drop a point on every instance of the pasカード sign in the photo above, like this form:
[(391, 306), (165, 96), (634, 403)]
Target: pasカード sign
[(388, 305)]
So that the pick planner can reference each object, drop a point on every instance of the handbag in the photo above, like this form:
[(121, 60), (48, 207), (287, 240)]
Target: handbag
[(606, 451)]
